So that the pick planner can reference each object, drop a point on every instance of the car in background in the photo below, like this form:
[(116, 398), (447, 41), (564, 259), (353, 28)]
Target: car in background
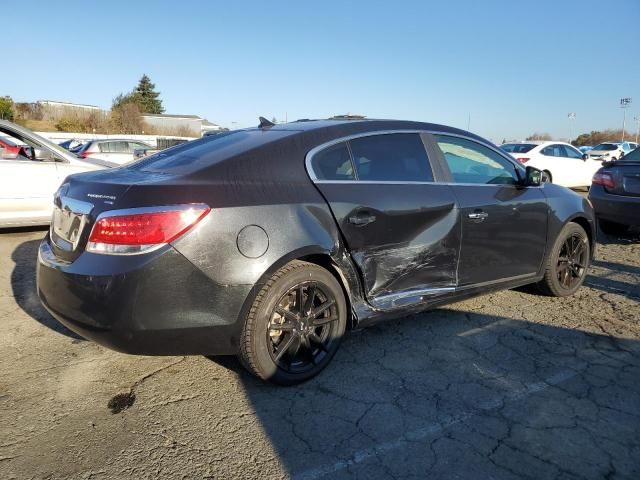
[(615, 194), (561, 162), (585, 148), (113, 150), (29, 180), (71, 145), (11, 150), (269, 242), (629, 147), (611, 151)]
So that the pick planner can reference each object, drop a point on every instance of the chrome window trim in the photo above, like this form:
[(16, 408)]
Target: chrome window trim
[(310, 154)]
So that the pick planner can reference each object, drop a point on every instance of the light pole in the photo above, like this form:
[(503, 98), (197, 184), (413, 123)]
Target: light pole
[(624, 104), (637, 120), (571, 116)]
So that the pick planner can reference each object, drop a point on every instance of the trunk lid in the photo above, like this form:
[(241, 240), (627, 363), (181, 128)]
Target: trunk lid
[(626, 176)]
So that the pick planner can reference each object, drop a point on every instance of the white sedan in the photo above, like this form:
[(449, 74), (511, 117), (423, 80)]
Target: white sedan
[(563, 163), (28, 183)]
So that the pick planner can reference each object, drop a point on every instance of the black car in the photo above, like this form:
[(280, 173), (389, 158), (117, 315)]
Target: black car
[(615, 194), (270, 242)]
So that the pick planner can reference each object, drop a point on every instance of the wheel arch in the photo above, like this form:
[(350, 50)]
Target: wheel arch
[(337, 263), (589, 228)]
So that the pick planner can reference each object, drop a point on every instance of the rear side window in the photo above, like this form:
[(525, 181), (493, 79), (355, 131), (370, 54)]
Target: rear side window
[(391, 157), (471, 162), (333, 163), (554, 151), (119, 147)]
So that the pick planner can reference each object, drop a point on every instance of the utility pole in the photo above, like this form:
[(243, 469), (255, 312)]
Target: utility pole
[(571, 116), (624, 104), (469, 122)]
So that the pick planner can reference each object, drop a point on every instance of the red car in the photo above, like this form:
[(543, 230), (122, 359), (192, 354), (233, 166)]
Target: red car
[(8, 149)]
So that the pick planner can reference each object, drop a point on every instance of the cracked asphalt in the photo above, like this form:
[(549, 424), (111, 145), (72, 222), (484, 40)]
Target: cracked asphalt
[(504, 386)]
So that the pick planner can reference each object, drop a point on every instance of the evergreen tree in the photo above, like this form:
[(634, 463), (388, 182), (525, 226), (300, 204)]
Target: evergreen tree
[(144, 96), (147, 97)]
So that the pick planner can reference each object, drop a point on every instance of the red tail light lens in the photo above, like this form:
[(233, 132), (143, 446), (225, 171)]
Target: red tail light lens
[(523, 159), (604, 179), (84, 154), (147, 230)]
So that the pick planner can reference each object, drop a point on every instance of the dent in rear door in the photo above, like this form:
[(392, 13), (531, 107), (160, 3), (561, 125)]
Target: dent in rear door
[(404, 236)]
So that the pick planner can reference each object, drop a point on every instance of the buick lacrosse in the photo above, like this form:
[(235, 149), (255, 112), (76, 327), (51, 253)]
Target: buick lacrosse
[(269, 243)]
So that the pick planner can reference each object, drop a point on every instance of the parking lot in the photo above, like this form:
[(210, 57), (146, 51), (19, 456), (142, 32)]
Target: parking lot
[(508, 385)]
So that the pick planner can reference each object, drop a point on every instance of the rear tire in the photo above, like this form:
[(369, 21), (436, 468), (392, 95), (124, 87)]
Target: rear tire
[(567, 264), (613, 228), (295, 324)]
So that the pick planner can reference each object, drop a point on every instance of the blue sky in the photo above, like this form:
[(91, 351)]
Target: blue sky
[(515, 67)]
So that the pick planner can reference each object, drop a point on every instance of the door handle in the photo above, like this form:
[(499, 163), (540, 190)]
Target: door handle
[(478, 216), (362, 218)]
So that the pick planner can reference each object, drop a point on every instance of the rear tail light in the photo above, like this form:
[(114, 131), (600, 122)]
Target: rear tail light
[(84, 154), (523, 159), (143, 230), (604, 179)]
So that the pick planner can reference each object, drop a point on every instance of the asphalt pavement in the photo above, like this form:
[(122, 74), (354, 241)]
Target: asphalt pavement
[(505, 386)]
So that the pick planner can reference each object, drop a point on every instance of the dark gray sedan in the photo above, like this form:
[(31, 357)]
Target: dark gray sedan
[(270, 242)]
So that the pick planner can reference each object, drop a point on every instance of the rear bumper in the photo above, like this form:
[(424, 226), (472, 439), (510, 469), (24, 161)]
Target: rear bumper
[(155, 304), (615, 208)]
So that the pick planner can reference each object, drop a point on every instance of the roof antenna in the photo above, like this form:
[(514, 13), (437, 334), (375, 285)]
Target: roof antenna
[(264, 123)]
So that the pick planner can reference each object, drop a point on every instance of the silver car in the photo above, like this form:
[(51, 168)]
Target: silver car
[(113, 150)]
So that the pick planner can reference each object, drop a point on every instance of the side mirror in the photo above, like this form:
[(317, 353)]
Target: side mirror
[(42, 155), (533, 177), (585, 156)]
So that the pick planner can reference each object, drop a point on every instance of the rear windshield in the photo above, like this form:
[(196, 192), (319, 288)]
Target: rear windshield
[(605, 147), (632, 156), (517, 147), (192, 156)]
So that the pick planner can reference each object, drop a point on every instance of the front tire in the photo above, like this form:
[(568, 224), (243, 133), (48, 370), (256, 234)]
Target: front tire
[(547, 173), (295, 324), (567, 264)]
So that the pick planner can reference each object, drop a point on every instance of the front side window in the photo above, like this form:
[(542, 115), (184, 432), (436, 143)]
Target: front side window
[(572, 152), (471, 162), (333, 163), (391, 157)]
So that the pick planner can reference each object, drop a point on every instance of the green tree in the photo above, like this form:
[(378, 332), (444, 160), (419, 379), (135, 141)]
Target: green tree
[(147, 97), (144, 96), (6, 108)]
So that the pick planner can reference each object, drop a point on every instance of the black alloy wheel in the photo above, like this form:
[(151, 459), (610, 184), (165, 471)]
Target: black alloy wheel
[(300, 327), (295, 324), (568, 262), (572, 261)]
